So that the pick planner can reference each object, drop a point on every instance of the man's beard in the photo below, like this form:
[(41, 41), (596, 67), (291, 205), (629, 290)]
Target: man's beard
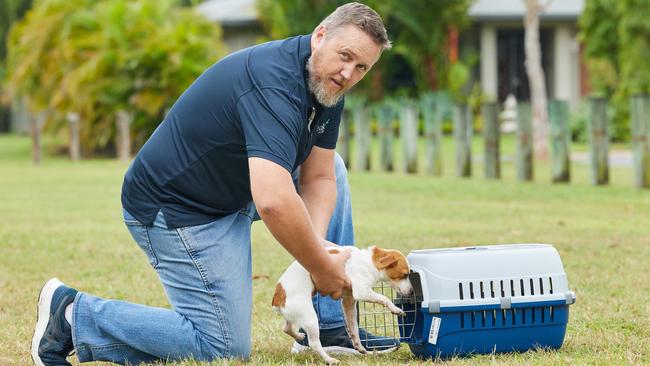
[(319, 89)]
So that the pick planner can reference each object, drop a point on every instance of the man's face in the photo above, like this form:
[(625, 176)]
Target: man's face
[(338, 61)]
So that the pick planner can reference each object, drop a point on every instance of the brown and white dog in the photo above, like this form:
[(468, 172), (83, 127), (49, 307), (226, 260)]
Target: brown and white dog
[(365, 268)]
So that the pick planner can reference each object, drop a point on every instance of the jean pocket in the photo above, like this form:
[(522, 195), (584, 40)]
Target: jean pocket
[(129, 219), (140, 234)]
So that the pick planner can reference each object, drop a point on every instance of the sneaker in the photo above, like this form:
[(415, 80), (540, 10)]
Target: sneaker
[(337, 341), (52, 341)]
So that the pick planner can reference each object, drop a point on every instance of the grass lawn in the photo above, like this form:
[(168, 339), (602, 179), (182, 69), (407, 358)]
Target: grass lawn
[(63, 219)]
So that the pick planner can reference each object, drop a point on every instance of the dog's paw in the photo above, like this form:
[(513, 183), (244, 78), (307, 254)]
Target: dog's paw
[(361, 350), (332, 361), (397, 311)]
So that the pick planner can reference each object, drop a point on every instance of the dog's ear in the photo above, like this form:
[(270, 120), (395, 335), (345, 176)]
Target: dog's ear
[(383, 259)]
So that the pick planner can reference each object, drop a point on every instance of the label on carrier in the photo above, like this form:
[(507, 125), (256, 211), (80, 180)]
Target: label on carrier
[(433, 332)]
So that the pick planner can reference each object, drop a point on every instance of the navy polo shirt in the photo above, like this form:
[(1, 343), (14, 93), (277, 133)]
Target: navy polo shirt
[(252, 103)]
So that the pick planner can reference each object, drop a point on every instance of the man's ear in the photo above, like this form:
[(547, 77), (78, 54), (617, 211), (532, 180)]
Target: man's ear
[(318, 36), (382, 258)]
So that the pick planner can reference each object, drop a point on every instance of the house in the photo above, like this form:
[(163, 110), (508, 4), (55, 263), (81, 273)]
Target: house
[(496, 33), (238, 19)]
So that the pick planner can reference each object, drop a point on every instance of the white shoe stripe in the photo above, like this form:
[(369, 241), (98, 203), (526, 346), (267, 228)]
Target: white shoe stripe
[(43, 316)]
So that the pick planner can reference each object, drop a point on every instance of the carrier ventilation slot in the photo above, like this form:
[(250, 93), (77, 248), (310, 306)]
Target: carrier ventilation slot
[(518, 287)]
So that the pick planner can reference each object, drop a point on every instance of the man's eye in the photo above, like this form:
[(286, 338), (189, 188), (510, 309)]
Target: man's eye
[(345, 56)]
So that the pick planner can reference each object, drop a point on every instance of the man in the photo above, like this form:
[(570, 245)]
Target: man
[(231, 147)]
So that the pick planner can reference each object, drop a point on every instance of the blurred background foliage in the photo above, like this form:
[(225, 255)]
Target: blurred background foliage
[(616, 38), (96, 58)]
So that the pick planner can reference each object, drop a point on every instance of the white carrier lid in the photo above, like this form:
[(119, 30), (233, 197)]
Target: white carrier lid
[(500, 276)]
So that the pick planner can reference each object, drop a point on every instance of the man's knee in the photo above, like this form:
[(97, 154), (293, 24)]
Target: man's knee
[(212, 351)]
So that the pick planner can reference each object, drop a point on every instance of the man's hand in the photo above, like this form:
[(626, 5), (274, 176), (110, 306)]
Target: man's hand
[(331, 281)]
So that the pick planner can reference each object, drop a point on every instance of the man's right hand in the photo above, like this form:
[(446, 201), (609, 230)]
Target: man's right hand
[(331, 281)]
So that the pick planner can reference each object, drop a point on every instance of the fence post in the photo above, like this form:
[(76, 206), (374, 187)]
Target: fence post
[(640, 109), (343, 143), (73, 125), (524, 142), (409, 134), (560, 141), (432, 132), (598, 140), (463, 137), (385, 116), (362, 136), (492, 140), (36, 122), (123, 135)]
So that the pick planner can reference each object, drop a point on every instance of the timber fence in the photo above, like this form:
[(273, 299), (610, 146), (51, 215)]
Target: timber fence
[(404, 122)]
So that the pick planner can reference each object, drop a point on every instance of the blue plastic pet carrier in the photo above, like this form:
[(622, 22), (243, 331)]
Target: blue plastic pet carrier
[(485, 299)]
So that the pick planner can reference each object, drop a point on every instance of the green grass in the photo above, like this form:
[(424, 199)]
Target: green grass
[(63, 219)]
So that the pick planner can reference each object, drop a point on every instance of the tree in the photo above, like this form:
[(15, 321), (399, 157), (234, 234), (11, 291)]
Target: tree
[(535, 74), (103, 58), (615, 35), (423, 33), (10, 12)]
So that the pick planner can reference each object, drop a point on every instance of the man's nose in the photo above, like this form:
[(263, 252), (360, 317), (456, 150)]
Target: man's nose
[(346, 71)]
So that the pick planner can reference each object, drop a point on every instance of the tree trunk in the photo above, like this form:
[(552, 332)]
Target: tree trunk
[(73, 123), (430, 72), (536, 81), (124, 135), (36, 124)]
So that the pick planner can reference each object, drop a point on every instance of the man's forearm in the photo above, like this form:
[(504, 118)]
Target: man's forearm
[(319, 197), (289, 222)]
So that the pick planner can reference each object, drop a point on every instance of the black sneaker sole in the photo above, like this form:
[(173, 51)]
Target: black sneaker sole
[(43, 316), (337, 350)]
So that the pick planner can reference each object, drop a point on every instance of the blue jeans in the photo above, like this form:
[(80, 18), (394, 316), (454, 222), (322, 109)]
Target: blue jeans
[(201, 268)]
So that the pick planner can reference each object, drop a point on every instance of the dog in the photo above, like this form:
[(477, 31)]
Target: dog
[(365, 267)]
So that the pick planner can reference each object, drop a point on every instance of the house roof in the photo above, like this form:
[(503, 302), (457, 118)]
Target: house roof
[(498, 10), (244, 12), (229, 12)]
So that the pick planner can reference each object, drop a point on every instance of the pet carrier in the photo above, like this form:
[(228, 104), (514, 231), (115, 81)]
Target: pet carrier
[(484, 299)]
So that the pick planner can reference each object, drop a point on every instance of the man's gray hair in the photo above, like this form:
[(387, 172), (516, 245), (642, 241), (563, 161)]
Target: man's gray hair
[(363, 17)]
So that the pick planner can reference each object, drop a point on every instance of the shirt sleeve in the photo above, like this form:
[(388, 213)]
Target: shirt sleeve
[(328, 139), (271, 122)]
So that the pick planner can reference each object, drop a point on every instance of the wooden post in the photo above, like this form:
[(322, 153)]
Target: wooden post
[(524, 142), (432, 116), (408, 130), (362, 136), (73, 124), (343, 143), (598, 140), (560, 141), (385, 116), (463, 137), (123, 135), (490, 112), (640, 115), (36, 122)]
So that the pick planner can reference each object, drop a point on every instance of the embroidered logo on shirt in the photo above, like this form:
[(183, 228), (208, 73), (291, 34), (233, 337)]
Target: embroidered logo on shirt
[(321, 128)]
